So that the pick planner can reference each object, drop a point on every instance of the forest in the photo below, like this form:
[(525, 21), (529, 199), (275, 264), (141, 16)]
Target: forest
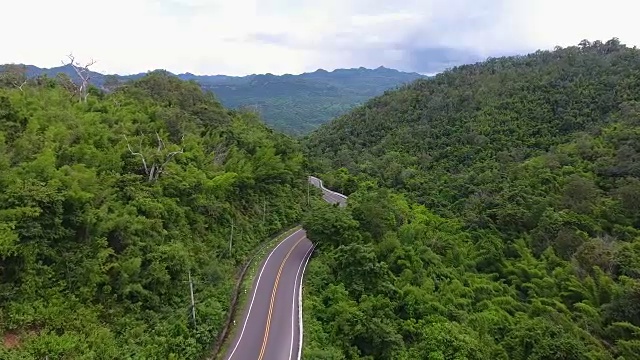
[(298, 104), (294, 104), (493, 213), (111, 202)]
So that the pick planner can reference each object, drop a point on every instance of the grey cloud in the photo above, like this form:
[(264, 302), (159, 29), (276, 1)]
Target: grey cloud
[(436, 59), (424, 60), (453, 32)]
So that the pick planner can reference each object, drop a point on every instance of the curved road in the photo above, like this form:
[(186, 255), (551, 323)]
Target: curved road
[(328, 195), (271, 326)]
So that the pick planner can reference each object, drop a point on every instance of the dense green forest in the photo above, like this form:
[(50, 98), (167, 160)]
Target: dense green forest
[(494, 213), (107, 205), (295, 104)]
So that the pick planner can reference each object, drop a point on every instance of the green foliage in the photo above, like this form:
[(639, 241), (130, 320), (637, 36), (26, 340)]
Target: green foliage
[(330, 226), (497, 206), (288, 105), (95, 248), (295, 104)]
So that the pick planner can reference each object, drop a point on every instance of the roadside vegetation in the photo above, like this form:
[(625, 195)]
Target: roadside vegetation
[(493, 213), (108, 201)]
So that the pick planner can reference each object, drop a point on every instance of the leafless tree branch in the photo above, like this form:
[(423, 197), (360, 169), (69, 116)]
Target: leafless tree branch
[(160, 142), (19, 86), (144, 162), (154, 171), (83, 73)]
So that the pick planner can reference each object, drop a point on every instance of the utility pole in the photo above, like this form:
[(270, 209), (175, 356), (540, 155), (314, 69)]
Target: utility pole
[(264, 210), (231, 237), (193, 302), (308, 191)]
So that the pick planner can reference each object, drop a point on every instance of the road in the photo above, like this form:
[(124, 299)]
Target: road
[(328, 195), (271, 326)]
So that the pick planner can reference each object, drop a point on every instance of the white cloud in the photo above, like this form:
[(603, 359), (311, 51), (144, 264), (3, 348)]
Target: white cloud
[(546, 23), (220, 36)]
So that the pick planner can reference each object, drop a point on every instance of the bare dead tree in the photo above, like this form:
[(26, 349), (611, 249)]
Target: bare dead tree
[(156, 166), (20, 82), (21, 85), (83, 73)]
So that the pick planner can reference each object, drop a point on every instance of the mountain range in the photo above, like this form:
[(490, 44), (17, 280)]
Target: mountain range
[(295, 104), (493, 212)]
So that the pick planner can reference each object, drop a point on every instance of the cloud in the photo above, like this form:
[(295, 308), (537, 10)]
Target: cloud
[(292, 36)]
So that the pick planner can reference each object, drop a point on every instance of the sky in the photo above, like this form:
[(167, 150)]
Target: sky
[(239, 37)]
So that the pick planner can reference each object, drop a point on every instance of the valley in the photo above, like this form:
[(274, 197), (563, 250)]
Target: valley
[(493, 212), (294, 104)]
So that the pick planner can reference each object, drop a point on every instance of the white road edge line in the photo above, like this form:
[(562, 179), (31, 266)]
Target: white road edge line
[(300, 305), (293, 302), (255, 291), (325, 189), (334, 193)]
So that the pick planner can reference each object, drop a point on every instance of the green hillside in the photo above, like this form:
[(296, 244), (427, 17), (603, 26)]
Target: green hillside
[(96, 246), (295, 104), (494, 214), (493, 211)]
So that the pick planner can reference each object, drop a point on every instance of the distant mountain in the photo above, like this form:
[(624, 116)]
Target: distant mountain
[(300, 103), (295, 104)]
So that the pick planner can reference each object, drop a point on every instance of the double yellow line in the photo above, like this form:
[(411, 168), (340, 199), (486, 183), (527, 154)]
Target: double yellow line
[(273, 298)]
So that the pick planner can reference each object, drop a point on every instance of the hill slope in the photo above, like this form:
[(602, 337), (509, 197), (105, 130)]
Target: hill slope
[(512, 228), (295, 104), (299, 103), (108, 207)]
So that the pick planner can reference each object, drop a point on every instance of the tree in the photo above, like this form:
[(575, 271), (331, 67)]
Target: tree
[(67, 83), (530, 247), (111, 83), (584, 44), (154, 164), (92, 254), (83, 73), (358, 267), (331, 227)]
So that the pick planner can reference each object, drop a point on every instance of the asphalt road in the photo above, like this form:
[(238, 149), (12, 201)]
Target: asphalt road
[(328, 195), (271, 326)]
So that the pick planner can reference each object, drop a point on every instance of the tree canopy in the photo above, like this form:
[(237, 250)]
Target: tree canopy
[(107, 206), (498, 214), (294, 104)]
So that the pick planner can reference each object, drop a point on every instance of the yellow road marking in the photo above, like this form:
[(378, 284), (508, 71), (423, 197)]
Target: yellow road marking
[(273, 298)]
